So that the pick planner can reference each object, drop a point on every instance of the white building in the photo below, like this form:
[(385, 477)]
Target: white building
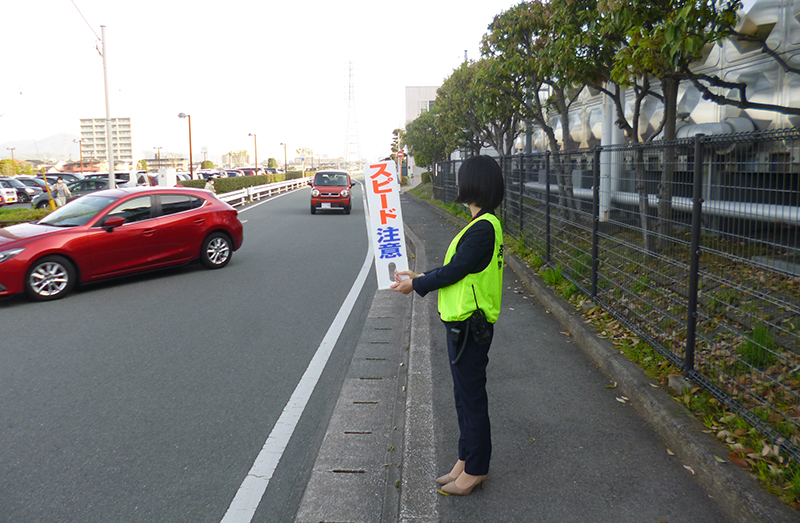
[(418, 100), (93, 140)]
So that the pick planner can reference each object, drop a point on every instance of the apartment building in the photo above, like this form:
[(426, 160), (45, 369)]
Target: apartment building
[(93, 139)]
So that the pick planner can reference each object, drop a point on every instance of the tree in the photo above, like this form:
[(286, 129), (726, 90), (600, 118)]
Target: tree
[(141, 165), (662, 39), (582, 52), (272, 163), (497, 107), (206, 164), (8, 167), (397, 139), (424, 140), (517, 42), (237, 158), (458, 121)]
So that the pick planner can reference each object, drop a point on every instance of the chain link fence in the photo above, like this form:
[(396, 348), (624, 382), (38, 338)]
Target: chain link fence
[(693, 245)]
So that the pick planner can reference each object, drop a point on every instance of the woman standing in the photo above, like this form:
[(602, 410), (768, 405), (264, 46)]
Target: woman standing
[(62, 192), (470, 285)]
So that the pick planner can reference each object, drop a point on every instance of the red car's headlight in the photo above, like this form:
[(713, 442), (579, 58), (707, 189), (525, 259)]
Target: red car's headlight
[(7, 255), (314, 192), (345, 193)]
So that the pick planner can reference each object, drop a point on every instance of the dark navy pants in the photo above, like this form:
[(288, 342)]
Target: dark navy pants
[(472, 403)]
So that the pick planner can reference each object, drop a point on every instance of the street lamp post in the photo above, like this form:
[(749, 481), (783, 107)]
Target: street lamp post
[(285, 168), (80, 150), (13, 161), (255, 145), (191, 168)]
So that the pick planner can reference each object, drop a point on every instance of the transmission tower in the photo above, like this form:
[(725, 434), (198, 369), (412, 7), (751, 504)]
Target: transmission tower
[(352, 152)]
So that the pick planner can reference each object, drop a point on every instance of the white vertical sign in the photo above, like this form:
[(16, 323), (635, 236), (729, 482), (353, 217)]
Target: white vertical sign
[(387, 235)]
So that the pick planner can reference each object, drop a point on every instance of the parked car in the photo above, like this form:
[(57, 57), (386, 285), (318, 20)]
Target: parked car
[(331, 189), (251, 171), (67, 177), (116, 232), (32, 181), (78, 189), (230, 173), (9, 194), (208, 173), (24, 193)]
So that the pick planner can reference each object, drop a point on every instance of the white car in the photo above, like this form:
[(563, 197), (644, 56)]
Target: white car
[(9, 195)]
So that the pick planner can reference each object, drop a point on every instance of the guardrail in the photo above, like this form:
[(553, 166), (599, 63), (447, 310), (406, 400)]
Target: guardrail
[(257, 192)]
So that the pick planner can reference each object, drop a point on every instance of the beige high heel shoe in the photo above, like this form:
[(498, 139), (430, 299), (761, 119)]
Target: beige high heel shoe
[(447, 478), (444, 480), (452, 490)]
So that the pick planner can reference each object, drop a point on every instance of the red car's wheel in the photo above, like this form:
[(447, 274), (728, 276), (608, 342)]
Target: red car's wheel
[(50, 278), (216, 250)]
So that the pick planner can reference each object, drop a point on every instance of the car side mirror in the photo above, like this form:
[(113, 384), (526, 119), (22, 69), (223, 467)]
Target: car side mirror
[(111, 223), (310, 183)]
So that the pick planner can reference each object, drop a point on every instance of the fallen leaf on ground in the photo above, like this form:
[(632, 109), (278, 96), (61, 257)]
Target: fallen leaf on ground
[(614, 386), (670, 452), (690, 469), (719, 459), (737, 460)]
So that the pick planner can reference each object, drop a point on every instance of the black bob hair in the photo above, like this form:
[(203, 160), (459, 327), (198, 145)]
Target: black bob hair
[(480, 181)]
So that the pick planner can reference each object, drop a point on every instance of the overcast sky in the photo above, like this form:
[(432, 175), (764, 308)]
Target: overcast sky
[(279, 69)]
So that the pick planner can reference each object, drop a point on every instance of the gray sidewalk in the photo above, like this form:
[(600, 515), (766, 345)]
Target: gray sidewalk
[(567, 446)]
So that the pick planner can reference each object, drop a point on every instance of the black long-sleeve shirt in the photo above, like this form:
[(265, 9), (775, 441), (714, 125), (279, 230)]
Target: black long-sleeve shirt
[(473, 254)]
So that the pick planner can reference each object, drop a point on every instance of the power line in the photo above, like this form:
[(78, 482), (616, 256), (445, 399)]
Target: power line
[(85, 20)]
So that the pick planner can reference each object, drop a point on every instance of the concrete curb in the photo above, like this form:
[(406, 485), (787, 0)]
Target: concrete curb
[(736, 491), (418, 503)]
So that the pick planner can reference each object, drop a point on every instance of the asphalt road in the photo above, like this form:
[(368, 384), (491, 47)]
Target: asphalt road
[(148, 398)]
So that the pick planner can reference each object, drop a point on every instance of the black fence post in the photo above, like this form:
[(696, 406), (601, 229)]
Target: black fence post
[(504, 161), (521, 189), (595, 220), (694, 263), (547, 204)]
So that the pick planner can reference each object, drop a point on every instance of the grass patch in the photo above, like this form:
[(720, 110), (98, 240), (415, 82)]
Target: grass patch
[(21, 215), (552, 277), (756, 350)]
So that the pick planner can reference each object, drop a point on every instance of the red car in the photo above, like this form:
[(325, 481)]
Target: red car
[(331, 190), (115, 232)]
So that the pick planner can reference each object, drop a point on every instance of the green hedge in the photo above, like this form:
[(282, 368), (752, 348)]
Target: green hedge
[(223, 185)]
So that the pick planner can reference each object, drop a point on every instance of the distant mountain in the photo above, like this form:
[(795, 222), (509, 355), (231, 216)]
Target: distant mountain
[(56, 147)]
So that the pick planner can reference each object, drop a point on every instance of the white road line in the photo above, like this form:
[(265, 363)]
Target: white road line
[(248, 497)]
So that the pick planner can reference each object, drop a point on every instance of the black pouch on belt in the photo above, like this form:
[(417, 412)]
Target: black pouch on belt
[(479, 328)]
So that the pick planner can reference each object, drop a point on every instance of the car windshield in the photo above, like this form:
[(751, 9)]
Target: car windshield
[(77, 212), (330, 179)]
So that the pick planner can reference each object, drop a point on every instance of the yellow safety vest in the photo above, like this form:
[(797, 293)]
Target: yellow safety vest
[(457, 302)]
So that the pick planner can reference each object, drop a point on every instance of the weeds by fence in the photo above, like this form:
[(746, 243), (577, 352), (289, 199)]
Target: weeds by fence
[(693, 245)]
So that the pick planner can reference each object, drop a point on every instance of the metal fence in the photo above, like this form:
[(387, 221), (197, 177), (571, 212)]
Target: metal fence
[(693, 245)]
